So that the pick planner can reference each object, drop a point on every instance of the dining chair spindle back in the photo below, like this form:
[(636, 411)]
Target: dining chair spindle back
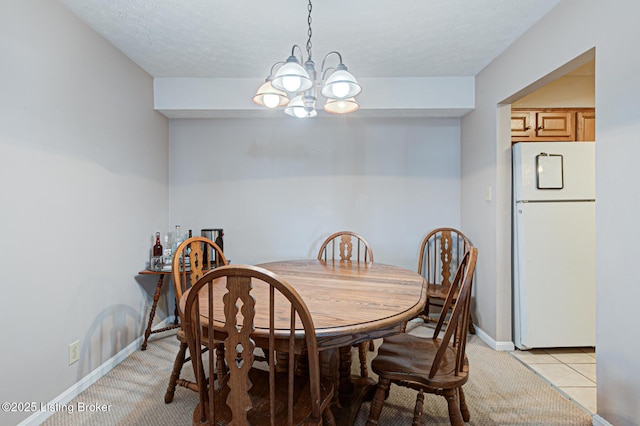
[(345, 246), (248, 394), (192, 259), (441, 252)]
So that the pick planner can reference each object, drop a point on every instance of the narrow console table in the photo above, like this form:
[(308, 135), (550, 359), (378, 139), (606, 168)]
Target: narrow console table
[(152, 313)]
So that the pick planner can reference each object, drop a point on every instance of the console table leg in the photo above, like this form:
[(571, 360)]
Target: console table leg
[(152, 313)]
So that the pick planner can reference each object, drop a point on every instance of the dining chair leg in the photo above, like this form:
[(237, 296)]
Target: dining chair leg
[(425, 312), (455, 416), (175, 374), (463, 405), (472, 328), (417, 411), (362, 354), (378, 401), (327, 417)]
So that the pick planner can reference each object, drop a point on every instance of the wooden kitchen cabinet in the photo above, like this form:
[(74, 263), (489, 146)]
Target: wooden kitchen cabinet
[(552, 124), (586, 126), (521, 125), (555, 125)]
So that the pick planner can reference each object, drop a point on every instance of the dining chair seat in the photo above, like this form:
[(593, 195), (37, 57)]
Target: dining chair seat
[(439, 291), (397, 359)]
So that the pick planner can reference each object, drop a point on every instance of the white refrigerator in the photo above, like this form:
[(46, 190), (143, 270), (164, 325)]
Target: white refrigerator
[(554, 244)]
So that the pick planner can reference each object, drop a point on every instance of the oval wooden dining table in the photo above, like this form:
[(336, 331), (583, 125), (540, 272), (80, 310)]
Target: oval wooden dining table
[(350, 302)]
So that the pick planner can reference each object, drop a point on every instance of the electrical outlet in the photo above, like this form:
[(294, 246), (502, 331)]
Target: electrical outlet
[(74, 352)]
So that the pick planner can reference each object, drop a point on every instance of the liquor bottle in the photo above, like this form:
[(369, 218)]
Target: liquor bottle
[(155, 263), (157, 248), (187, 254), (167, 254), (177, 239)]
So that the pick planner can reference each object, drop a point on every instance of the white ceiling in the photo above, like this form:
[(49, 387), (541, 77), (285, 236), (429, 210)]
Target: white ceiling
[(243, 38)]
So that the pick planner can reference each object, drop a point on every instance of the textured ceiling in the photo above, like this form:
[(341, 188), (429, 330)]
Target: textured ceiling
[(243, 38)]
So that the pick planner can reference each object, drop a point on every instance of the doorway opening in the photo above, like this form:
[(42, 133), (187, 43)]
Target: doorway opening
[(558, 107)]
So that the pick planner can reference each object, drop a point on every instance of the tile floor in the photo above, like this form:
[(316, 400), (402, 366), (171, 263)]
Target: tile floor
[(571, 370)]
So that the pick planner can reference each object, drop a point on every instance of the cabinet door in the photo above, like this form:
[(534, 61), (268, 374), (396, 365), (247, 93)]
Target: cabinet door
[(521, 125), (586, 126), (556, 126)]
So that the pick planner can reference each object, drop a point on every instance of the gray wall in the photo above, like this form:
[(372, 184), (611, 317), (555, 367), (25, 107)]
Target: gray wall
[(572, 28), (278, 187), (83, 167), (83, 186)]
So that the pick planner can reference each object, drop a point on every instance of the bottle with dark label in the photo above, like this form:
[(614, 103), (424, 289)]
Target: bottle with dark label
[(155, 263), (157, 248)]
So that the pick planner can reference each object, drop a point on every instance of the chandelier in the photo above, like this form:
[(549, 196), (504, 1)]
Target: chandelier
[(295, 86)]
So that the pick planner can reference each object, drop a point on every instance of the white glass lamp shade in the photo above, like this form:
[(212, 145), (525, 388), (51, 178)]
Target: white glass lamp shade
[(296, 109), (341, 106), (341, 84), (269, 96), (292, 77)]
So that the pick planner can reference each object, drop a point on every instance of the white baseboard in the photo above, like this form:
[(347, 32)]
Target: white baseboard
[(75, 390), (596, 420), (492, 343)]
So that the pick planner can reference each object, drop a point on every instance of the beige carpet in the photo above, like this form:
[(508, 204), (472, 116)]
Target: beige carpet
[(500, 391)]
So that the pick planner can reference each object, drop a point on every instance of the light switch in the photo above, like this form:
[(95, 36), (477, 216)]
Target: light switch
[(487, 194)]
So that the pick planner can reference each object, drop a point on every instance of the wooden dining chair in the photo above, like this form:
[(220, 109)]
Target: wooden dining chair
[(437, 365), (247, 394), (441, 251), (200, 255), (342, 246)]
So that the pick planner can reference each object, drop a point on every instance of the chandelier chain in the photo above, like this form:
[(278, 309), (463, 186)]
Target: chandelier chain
[(309, 7)]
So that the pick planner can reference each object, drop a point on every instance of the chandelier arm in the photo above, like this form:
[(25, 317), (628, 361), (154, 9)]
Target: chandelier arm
[(293, 52), (324, 72), (273, 66), (322, 69)]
